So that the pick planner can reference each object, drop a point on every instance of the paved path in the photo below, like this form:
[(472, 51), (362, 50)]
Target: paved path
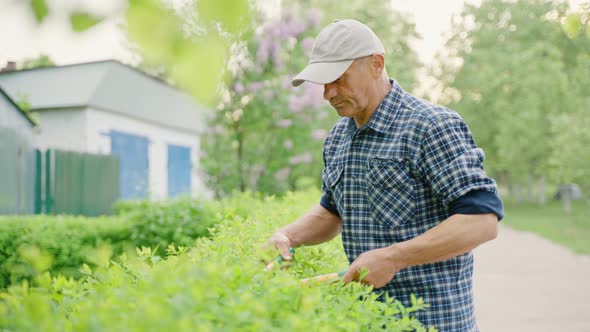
[(524, 283)]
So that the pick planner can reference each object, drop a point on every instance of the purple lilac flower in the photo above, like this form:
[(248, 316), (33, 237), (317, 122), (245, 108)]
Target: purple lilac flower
[(295, 104), (284, 123), (314, 18), (313, 94), (262, 55), (255, 86), (264, 48), (286, 82), (276, 59), (318, 134), (255, 174), (283, 174), (272, 29), (268, 95), (275, 48), (239, 88), (284, 32), (288, 144), (307, 45), (296, 27), (305, 158)]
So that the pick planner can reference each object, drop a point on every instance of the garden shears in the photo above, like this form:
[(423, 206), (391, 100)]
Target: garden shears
[(328, 278)]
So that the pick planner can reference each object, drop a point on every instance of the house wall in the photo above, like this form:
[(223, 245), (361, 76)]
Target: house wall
[(100, 122), (17, 161), (12, 118), (62, 129)]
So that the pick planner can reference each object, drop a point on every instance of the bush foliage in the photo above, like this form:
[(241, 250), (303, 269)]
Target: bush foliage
[(66, 242), (219, 284)]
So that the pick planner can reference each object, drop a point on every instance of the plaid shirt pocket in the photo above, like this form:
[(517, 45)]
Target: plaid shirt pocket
[(391, 191)]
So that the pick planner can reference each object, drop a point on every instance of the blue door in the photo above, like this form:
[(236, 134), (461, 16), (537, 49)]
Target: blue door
[(133, 159), (179, 170)]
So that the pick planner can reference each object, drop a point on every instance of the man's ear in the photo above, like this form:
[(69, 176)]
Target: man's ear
[(377, 65)]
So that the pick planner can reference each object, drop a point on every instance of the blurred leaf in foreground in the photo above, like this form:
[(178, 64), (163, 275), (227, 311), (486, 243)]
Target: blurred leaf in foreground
[(80, 21)]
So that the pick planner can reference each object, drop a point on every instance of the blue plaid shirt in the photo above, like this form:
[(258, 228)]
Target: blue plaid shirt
[(395, 178)]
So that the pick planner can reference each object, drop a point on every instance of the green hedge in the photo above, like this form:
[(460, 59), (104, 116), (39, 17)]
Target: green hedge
[(63, 243), (158, 224), (60, 244), (219, 284)]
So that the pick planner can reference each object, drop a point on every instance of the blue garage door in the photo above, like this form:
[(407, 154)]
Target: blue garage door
[(179, 170), (133, 156)]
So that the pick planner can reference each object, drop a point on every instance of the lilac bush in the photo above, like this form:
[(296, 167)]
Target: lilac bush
[(273, 132), (279, 124)]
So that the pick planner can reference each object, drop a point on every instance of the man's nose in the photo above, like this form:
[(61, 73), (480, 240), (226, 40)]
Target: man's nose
[(329, 91)]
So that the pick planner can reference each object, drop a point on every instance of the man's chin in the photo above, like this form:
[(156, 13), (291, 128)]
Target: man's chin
[(343, 111)]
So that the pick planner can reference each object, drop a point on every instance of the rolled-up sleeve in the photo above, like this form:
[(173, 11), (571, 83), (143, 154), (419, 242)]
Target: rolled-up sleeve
[(328, 203), (478, 202), (451, 162)]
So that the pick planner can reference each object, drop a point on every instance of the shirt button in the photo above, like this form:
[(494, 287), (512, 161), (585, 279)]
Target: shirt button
[(353, 208), (354, 240)]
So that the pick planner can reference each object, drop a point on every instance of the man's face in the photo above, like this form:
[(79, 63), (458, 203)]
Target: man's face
[(348, 94)]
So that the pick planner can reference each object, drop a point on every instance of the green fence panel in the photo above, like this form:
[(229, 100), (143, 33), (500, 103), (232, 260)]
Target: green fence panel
[(38, 181), (103, 190), (48, 202), (81, 183)]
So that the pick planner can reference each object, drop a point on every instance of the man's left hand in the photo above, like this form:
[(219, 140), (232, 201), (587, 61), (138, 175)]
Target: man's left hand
[(380, 263)]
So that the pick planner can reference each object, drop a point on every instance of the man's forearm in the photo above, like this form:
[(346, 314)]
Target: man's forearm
[(316, 226), (456, 235)]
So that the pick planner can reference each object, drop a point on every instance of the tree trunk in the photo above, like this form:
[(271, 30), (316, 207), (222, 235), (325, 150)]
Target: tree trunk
[(517, 193), (240, 155), (530, 188), (566, 199), (541, 191), (241, 163), (504, 182)]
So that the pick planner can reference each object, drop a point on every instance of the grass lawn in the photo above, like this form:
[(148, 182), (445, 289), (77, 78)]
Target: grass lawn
[(551, 222)]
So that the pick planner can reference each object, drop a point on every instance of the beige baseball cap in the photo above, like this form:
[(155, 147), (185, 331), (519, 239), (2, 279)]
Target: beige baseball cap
[(335, 48)]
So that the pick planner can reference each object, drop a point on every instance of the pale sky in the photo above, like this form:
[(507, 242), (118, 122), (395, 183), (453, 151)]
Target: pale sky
[(21, 37)]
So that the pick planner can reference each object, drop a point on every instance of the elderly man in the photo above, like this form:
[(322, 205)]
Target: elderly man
[(403, 183)]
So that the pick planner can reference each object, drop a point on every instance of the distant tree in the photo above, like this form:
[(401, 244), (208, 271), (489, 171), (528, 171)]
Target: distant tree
[(509, 72), (570, 155), (267, 136)]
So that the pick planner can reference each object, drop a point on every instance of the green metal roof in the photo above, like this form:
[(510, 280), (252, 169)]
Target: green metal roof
[(109, 86)]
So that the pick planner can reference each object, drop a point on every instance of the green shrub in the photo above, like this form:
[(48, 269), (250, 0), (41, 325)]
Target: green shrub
[(217, 285), (64, 243), (158, 224), (67, 242)]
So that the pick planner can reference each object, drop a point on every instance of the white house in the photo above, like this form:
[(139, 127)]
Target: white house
[(17, 159), (108, 107)]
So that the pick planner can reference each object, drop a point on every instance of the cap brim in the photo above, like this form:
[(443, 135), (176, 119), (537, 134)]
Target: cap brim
[(322, 72)]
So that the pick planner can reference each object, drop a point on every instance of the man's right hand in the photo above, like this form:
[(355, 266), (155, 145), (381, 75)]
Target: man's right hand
[(317, 226), (282, 243)]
